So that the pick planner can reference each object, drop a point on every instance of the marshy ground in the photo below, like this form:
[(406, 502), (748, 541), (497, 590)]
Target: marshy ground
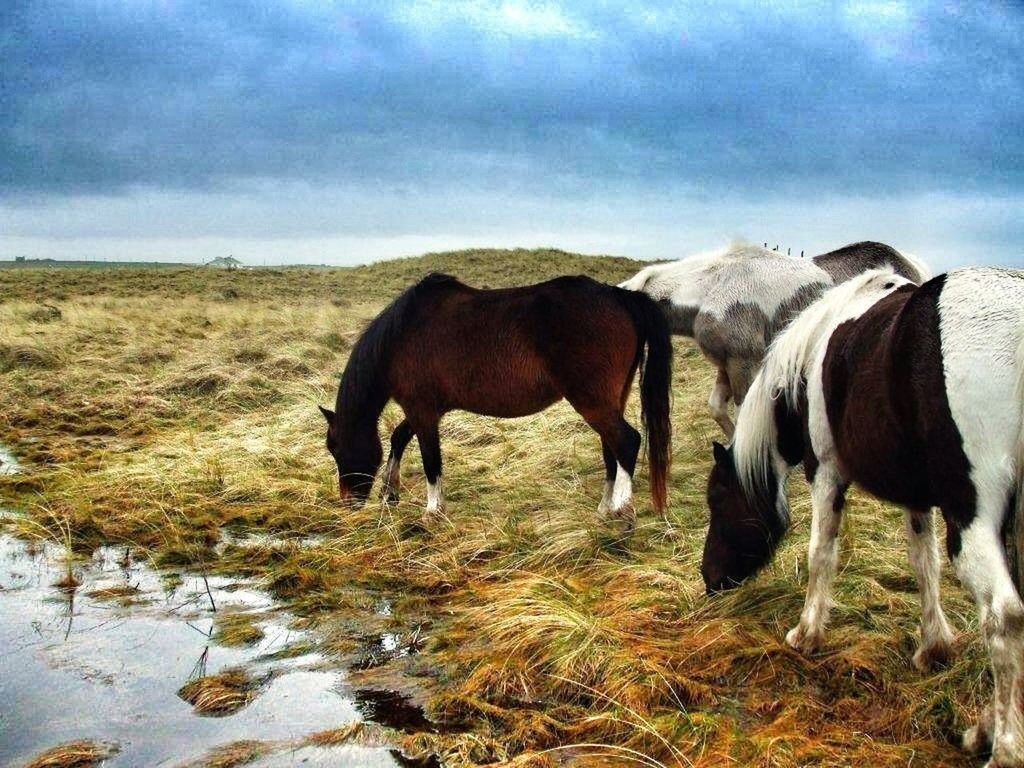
[(166, 426)]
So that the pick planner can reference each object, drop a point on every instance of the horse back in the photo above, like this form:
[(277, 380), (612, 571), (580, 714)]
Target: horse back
[(869, 408), (508, 351)]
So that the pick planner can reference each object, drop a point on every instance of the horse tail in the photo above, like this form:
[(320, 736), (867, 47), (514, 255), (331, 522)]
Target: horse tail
[(654, 335), (639, 281)]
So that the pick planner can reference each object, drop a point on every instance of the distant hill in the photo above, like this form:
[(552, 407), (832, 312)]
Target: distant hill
[(484, 268), (91, 264), (493, 267)]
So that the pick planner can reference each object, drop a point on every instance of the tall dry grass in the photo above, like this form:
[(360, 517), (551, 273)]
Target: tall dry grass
[(162, 407)]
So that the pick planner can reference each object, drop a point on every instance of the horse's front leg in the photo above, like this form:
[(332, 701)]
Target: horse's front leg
[(936, 637), (828, 492), (719, 403), (430, 451), (392, 470)]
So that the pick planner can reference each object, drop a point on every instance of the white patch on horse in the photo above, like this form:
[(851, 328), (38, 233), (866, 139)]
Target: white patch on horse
[(622, 491), (923, 552), (435, 497), (680, 282), (982, 343), (753, 275)]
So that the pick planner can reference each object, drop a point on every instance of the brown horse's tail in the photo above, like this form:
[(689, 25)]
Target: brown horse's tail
[(654, 334)]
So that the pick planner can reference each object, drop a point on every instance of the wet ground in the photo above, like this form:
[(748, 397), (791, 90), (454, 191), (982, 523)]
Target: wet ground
[(100, 649), (8, 464)]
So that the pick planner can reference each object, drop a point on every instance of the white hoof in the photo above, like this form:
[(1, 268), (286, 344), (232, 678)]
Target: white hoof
[(803, 640)]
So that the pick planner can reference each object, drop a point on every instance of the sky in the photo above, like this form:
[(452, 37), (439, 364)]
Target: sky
[(310, 131)]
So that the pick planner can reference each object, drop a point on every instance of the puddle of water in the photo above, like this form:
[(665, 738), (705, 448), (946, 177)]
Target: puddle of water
[(227, 538), (8, 463), (392, 709), (385, 647), (105, 661)]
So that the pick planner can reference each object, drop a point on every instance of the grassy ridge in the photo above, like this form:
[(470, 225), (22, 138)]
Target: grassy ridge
[(158, 407)]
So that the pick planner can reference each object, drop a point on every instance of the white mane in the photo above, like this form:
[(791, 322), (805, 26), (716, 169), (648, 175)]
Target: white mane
[(786, 366)]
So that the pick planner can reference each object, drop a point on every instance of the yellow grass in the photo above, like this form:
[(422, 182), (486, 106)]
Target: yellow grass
[(74, 754), (164, 405), (221, 694)]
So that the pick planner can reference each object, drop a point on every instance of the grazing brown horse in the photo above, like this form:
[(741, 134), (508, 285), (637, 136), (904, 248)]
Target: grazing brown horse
[(444, 346), (917, 395)]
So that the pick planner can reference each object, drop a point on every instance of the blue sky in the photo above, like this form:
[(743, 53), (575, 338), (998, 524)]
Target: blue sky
[(305, 131)]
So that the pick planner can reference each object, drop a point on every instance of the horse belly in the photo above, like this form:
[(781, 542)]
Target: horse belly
[(507, 389), (502, 385), (875, 457)]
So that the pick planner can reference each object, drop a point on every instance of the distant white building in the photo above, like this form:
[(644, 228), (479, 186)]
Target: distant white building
[(225, 262)]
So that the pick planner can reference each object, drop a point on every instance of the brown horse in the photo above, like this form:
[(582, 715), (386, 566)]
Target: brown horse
[(444, 346)]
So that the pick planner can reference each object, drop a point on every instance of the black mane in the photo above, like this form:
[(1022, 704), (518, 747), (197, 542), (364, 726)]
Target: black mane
[(363, 391)]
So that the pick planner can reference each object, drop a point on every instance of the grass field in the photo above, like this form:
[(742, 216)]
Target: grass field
[(158, 407)]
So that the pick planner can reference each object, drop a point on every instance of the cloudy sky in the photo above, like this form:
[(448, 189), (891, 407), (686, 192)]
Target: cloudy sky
[(341, 132)]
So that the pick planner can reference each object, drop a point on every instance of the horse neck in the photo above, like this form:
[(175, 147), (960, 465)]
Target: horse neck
[(844, 263), (359, 412), (841, 269), (357, 436)]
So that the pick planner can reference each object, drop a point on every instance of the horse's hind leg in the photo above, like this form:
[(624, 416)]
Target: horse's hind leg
[(827, 498), (936, 637), (721, 393), (399, 440), (981, 566), (741, 371), (624, 444)]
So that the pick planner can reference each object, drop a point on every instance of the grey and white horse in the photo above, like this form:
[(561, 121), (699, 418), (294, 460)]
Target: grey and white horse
[(734, 301)]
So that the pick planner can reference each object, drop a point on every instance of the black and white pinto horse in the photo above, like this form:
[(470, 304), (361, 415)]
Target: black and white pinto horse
[(734, 301), (916, 395)]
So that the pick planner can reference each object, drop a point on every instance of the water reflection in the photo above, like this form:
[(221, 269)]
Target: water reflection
[(99, 649)]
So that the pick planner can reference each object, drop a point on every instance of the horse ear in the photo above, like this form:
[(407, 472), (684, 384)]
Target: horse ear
[(329, 415), (721, 453)]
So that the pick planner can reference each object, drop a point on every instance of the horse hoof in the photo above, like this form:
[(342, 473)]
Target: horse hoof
[(803, 640), (390, 498), (432, 518), (627, 517), (977, 740), (974, 740), (933, 657), (1014, 758)]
